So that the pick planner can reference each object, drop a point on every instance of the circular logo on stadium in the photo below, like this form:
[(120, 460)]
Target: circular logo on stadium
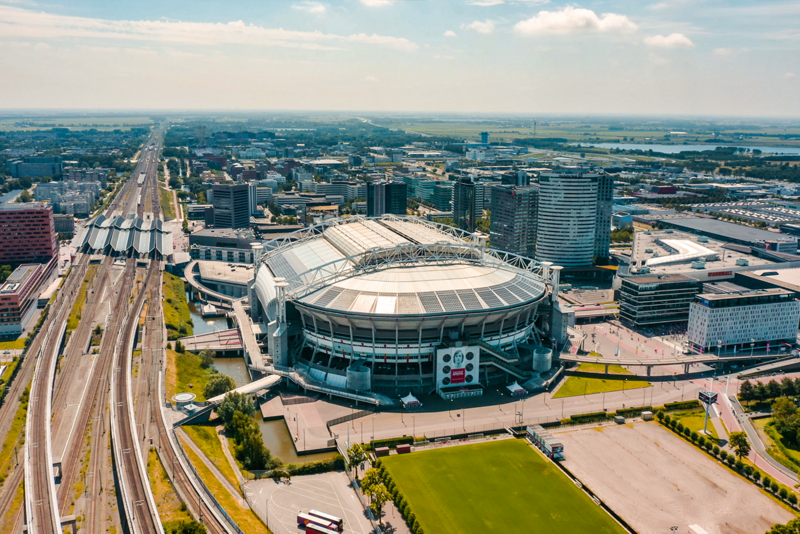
[(470, 367), (469, 378), (446, 369), (470, 355), (446, 381), (446, 358)]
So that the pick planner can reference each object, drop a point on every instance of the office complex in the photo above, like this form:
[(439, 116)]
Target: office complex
[(27, 233), (18, 298), (655, 300), (442, 195), (464, 204), (568, 219), (602, 236), (231, 206), (514, 218), (731, 315), (35, 167), (386, 197)]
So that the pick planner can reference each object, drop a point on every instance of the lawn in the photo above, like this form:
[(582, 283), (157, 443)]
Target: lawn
[(206, 438), (694, 420), (77, 307), (784, 452), (184, 373), (244, 517), (15, 438), (579, 385), (505, 486), (13, 344), (167, 206), (176, 309)]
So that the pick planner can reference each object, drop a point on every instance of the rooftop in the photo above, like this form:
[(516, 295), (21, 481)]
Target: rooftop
[(18, 278), (234, 273), (728, 230)]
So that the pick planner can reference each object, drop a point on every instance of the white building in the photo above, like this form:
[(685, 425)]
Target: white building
[(739, 318)]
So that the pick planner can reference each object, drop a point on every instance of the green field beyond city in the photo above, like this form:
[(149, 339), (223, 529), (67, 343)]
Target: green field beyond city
[(504, 486)]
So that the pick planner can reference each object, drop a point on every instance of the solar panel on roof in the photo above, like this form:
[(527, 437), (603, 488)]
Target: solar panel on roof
[(469, 299), (519, 291), (430, 302), (506, 295), (344, 300), (489, 297), (408, 303), (450, 301), (327, 297)]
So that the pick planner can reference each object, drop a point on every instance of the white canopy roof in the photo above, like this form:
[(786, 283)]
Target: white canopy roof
[(409, 399), (513, 388)]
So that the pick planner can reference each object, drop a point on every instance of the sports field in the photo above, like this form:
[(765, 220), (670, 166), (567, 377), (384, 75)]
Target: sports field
[(502, 486)]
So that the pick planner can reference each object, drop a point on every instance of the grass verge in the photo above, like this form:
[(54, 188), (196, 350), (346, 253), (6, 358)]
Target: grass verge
[(694, 420), (494, 487), (77, 307), (7, 522), (13, 344), (15, 437), (244, 517), (176, 309), (776, 446), (579, 385), (167, 207), (170, 507), (184, 373), (207, 440)]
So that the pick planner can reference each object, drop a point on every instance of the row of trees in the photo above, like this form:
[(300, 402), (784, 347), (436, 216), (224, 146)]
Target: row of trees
[(771, 390), (236, 412)]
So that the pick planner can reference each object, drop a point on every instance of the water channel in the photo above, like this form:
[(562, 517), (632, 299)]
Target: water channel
[(275, 434)]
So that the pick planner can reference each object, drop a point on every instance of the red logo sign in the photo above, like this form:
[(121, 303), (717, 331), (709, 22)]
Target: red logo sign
[(458, 376), (720, 273)]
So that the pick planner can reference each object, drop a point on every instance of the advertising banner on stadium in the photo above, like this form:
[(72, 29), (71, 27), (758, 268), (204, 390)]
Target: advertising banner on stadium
[(457, 366)]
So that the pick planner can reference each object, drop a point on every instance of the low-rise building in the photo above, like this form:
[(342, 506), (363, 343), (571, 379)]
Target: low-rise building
[(18, 298), (656, 300)]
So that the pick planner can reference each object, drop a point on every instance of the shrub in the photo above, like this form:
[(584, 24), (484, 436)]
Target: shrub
[(739, 465), (793, 499), (681, 405), (679, 427), (588, 417), (783, 493), (687, 432), (695, 436), (723, 454), (756, 475), (716, 450), (748, 471), (667, 418), (731, 459), (767, 482), (774, 487)]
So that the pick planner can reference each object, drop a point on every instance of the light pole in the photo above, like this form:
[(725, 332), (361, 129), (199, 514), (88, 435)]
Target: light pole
[(752, 344), (414, 427)]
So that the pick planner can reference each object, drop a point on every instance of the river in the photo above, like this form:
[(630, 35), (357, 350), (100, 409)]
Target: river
[(674, 149)]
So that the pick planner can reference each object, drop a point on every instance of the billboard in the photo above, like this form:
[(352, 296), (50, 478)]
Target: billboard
[(457, 366), (707, 397)]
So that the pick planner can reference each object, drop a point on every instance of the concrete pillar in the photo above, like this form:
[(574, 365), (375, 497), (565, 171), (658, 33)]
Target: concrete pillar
[(606, 368), (649, 369), (556, 281)]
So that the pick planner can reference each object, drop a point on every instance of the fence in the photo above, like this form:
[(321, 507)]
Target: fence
[(345, 418)]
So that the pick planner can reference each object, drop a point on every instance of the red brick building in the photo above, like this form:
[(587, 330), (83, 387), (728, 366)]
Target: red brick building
[(27, 233), (18, 297)]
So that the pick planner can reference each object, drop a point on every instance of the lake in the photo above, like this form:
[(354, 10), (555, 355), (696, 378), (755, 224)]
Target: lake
[(674, 149), (204, 325), (280, 443)]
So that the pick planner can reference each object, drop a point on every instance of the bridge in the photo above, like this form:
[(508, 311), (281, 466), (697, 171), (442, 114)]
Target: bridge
[(225, 301), (218, 341), (686, 361)]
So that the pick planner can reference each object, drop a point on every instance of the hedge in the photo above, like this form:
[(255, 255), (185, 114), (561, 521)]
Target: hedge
[(390, 442), (633, 412), (587, 417), (310, 468), (681, 405)]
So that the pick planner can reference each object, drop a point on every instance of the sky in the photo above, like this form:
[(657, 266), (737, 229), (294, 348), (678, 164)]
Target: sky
[(653, 57)]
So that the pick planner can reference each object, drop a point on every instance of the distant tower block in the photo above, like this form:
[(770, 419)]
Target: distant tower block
[(485, 137)]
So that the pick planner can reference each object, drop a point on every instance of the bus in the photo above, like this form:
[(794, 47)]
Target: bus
[(305, 519), (311, 528), (328, 517)]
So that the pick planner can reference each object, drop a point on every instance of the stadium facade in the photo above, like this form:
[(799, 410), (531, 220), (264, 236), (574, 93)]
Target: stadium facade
[(394, 304)]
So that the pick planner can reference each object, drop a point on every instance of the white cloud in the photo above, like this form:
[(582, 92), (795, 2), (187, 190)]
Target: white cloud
[(371, 79), (450, 33), (723, 51), (789, 75), (376, 3), (571, 19), (313, 8), (24, 23), (480, 27), (486, 3), (673, 40)]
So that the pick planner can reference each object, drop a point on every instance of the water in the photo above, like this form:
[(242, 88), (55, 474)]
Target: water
[(674, 149), (280, 443), (204, 325), (234, 368)]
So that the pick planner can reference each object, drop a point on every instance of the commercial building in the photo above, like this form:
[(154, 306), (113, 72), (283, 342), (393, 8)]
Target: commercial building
[(18, 298), (231, 206), (567, 219), (386, 197), (442, 195), (727, 315), (64, 224), (733, 233), (35, 167), (27, 233), (514, 219), (464, 204), (656, 300), (221, 244)]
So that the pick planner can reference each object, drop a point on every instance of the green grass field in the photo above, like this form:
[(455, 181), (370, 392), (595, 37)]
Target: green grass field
[(505, 486), (578, 385), (165, 197), (694, 420), (176, 309), (18, 343)]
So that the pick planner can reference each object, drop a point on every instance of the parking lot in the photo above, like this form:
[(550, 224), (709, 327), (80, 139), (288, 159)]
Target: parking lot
[(655, 480), (326, 492)]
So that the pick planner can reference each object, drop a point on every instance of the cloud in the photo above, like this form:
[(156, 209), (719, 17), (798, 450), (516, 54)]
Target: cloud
[(313, 8), (570, 20), (24, 23), (480, 27), (486, 3), (673, 40), (789, 75), (371, 79), (724, 52), (450, 33), (376, 3)]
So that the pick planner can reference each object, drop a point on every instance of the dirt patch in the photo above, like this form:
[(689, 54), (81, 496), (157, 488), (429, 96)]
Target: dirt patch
[(655, 480)]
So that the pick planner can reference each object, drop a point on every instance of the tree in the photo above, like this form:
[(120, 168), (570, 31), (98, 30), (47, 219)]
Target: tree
[(378, 497), (179, 347), (356, 456), (792, 527), (739, 443), (783, 408), (235, 402), (371, 478), (186, 527), (773, 389), (747, 391), (787, 387), (207, 358), (218, 384)]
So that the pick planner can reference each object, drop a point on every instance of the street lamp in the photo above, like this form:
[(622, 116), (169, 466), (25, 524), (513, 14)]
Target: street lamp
[(752, 344)]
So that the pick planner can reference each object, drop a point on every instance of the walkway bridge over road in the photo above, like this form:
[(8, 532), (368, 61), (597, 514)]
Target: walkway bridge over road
[(686, 361)]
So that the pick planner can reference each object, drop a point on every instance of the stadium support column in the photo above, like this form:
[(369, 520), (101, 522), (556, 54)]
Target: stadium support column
[(278, 335)]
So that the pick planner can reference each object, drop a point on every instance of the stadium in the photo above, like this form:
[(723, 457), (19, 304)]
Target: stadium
[(393, 305)]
